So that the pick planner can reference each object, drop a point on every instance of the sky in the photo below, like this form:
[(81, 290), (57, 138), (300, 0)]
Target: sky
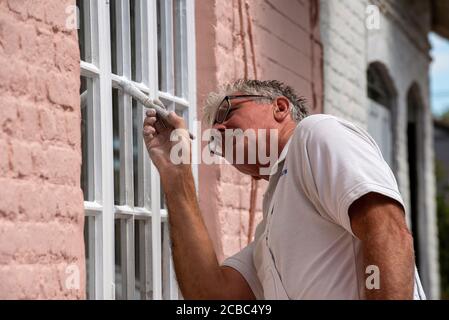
[(439, 74)]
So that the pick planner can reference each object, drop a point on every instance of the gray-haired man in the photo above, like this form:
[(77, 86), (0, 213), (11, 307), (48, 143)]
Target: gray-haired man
[(332, 210)]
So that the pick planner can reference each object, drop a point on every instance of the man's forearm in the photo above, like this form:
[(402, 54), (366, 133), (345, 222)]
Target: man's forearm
[(196, 265)]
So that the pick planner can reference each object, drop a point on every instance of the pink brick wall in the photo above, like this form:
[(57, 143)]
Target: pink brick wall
[(267, 39), (41, 202)]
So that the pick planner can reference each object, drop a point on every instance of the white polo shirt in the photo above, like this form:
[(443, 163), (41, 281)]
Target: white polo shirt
[(304, 247)]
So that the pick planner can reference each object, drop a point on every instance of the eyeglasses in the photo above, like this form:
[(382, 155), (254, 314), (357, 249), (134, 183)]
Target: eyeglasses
[(225, 106)]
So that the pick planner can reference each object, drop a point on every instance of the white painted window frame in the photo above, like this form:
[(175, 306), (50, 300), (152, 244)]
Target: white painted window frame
[(102, 210)]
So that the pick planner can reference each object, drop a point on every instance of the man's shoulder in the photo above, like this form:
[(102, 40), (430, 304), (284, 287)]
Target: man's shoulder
[(313, 123), (325, 125)]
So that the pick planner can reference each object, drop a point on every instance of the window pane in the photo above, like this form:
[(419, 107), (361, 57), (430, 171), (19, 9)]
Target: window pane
[(143, 260), (165, 45), (118, 261), (87, 136), (84, 30), (113, 29), (89, 245), (159, 46), (180, 47), (137, 165), (116, 147), (136, 40), (167, 282)]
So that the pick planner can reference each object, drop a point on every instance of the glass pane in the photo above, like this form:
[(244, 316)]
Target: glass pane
[(87, 136), (159, 47), (113, 29), (180, 47), (118, 261), (165, 45), (137, 165), (89, 246), (143, 260), (166, 261), (116, 146), (84, 30), (136, 39), (138, 282)]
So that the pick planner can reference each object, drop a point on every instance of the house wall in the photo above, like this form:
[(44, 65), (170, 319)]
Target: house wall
[(41, 202), (401, 46), (263, 39)]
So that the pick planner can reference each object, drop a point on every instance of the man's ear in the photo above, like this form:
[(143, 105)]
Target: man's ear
[(281, 108)]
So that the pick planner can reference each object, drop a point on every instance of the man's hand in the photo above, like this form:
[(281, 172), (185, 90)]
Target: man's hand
[(379, 222), (197, 270), (161, 136)]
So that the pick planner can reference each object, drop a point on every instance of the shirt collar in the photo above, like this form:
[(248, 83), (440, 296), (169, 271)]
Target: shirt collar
[(282, 156)]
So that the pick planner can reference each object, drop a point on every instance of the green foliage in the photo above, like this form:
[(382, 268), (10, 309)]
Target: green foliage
[(445, 116)]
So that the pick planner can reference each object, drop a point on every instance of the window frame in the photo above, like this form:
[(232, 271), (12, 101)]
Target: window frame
[(102, 209)]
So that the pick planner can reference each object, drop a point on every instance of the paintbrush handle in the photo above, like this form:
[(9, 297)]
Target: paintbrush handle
[(130, 89), (134, 92)]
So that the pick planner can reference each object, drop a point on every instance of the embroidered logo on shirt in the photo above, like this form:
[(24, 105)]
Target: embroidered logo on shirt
[(283, 172)]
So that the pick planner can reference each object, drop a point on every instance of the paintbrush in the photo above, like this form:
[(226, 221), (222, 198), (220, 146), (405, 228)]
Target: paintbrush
[(155, 104)]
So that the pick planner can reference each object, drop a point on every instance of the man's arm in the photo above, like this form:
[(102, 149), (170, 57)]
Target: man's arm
[(198, 272), (197, 269), (379, 222)]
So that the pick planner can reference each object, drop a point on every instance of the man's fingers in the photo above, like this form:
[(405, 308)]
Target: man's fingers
[(151, 113), (149, 121), (176, 121), (149, 130)]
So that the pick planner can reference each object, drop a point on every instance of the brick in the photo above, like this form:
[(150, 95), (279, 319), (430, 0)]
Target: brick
[(61, 89), (40, 166), (234, 196), (21, 159), (19, 79), (9, 35), (47, 120), (4, 158), (30, 201), (57, 13), (8, 199), (36, 10), (37, 86), (30, 241), (66, 166), (61, 127), (294, 11), (45, 51), (68, 55), (29, 42), (48, 282), (19, 7), (8, 116), (29, 121), (73, 125)]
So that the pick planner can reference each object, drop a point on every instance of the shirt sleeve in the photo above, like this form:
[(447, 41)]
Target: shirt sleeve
[(243, 263), (342, 164)]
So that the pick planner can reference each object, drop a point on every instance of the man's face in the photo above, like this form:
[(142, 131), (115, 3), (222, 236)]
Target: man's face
[(247, 116)]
